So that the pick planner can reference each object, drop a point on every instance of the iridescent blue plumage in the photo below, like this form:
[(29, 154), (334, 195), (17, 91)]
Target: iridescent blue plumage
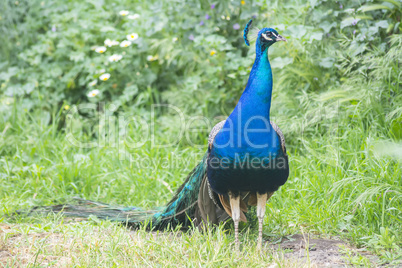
[(247, 158), (183, 204), (248, 134), (245, 32)]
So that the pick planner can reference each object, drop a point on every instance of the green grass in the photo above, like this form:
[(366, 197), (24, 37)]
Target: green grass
[(87, 244)]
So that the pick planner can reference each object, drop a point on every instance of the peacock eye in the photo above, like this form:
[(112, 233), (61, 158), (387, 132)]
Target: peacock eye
[(269, 34)]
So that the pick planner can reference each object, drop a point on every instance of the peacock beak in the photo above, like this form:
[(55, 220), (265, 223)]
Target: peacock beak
[(281, 38)]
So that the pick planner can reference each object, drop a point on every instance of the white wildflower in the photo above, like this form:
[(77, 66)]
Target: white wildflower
[(93, 93), (104, 77), (124, 12), (101, 71), (115, 58), (152, 58), (100, 49), (107, 42), (134, 16), (125, 43), (114, 43), (132, 37), (175, 39), (93, 83), (111, 43)]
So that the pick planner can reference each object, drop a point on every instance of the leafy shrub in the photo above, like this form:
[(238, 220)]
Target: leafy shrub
[(190, 54)]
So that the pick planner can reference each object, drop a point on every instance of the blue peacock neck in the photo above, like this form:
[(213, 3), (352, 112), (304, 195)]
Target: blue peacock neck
[(251, 131), (256, 98)]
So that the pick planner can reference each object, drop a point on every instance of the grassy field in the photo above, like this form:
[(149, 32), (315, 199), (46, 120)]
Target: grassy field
[(337, 98), (333, 190), (82, 244)]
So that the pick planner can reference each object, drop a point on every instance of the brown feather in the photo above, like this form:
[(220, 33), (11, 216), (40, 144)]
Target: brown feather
[(207, 208), (252, 200), (226, 206)]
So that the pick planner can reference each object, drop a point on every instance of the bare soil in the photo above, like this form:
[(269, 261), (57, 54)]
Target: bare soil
[(318, 252)]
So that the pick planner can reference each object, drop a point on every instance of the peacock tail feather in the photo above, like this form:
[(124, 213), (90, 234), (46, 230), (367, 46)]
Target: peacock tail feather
[(82, 208), (180, 209)]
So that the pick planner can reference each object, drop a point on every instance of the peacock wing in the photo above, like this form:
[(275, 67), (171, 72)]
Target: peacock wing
[(281, 136)]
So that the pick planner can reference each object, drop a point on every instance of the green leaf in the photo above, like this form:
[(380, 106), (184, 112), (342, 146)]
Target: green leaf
[(108, 29), (14, 90), (10, 73), (364, 17), (326, 26), (327, 62), (396, 3), (232, 75), (280, 62), (348, 22), (315, 36), (77, 56), (356, 48), (373, 7), (28, 88), (382, 24), (313, 3), (128, 93), (297, 31)]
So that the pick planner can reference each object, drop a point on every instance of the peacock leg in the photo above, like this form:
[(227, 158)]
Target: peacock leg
[(235, 207), (261, 205)]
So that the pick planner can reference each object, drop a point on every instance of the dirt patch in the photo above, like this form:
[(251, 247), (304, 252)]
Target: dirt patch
[(19, 250), (318, 252)]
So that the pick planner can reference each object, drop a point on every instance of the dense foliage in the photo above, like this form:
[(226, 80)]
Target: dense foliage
[(337, 97), (191, 54)]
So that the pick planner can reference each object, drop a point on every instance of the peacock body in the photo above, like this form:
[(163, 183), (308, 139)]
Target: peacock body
[(245, 163)]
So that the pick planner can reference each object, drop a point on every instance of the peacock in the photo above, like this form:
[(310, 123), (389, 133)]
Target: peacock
[(245, 163)]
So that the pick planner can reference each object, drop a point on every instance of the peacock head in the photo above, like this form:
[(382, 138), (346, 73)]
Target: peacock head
[(265, 37)]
